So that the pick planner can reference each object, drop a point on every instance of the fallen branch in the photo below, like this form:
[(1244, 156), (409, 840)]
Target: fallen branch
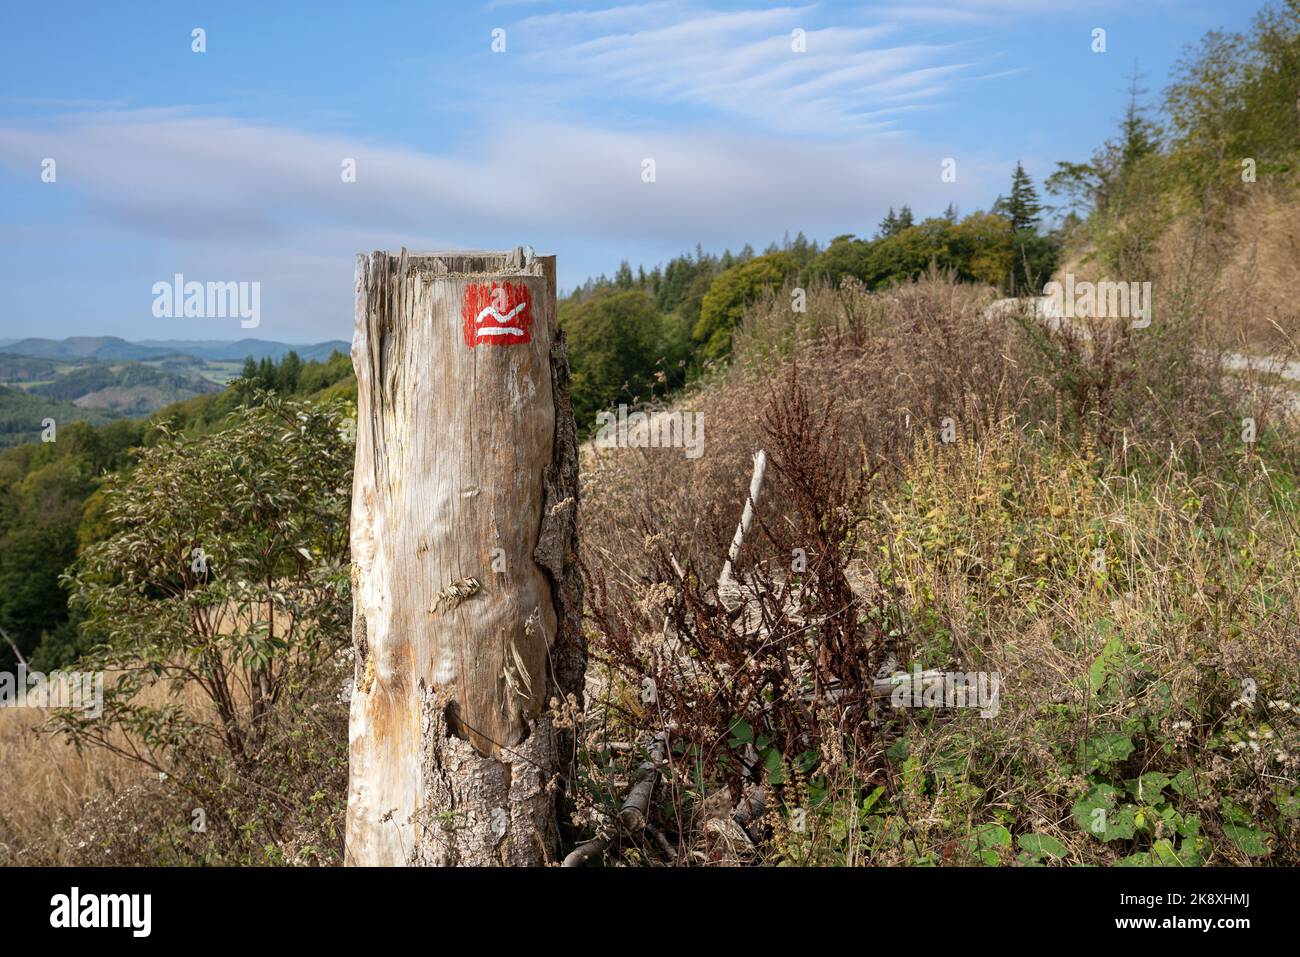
[(665, 846), (880, 687), (636, 806), (585, 851)]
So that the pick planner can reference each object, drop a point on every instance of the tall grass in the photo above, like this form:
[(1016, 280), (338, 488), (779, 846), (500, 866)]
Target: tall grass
[(1081, 516)]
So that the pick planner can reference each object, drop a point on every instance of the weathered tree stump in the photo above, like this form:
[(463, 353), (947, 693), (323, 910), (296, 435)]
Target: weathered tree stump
[(467, 602)]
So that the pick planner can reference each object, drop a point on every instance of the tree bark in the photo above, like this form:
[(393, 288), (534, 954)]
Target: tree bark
[(466, 599)]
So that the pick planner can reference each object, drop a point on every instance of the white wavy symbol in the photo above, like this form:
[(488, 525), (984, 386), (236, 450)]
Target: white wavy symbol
[(502, 329)]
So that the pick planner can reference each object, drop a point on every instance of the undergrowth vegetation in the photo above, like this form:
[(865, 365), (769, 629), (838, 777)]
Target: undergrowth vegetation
[(217, 605), (1082, 527), (938, 502)]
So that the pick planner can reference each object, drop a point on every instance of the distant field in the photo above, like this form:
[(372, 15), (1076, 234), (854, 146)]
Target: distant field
[(34, 390), (108, 377), (221, 372)]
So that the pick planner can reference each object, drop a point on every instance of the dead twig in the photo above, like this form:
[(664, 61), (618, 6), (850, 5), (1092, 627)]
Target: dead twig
[(21, 660), (636, 806)]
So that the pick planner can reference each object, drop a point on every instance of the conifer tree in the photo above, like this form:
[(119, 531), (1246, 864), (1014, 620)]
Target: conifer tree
[(889, 225), (1022, 206)]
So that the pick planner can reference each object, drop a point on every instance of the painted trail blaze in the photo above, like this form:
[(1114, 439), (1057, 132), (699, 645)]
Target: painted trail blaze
[(499, 314)]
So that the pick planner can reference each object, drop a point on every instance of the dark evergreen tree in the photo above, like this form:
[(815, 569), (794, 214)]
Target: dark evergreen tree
[(289, 373), (1022, 207), (800, 249), (889, 225), (1137, 133)]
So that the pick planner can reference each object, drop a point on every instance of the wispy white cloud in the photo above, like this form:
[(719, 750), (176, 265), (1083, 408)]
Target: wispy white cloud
[(247, 201), (179, 174), (778, 67), (957, 13)]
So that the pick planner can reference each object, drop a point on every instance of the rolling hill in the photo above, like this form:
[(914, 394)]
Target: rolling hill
[(22, 415), (99, 378), (112, 348), (127, 388)]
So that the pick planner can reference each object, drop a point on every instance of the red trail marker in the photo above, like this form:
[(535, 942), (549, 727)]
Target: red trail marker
[(498, 314)]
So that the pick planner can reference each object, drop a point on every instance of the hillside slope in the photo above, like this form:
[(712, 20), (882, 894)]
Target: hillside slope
[(21, 416), (128, 388), (112, 348), (1103, 546)]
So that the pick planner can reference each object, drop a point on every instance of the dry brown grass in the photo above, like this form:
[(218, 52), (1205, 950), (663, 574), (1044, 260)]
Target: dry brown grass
[(1019, 559), (53, 783), (1263, 262), (48, 783), (1233, 270), (981, 553), (893, 364)]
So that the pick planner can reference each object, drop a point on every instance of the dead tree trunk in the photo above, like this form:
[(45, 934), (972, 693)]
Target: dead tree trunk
[(467, 602)]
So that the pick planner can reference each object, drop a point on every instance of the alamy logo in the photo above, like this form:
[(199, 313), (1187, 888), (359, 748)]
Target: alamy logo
[(134, 911), (77, 690), (179, 299), (947, 689), (661, 430), (1100, 300)]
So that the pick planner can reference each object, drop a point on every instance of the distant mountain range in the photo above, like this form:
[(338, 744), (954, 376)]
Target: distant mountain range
[(113, 349), (99, 378)]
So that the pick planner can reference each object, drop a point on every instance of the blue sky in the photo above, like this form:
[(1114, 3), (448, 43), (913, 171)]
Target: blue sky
[(226, 165)]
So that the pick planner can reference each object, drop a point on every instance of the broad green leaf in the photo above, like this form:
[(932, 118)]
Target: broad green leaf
[(741, 734), (993, 835), (1184, 783), (1235, 813), (1192, 851), (1149, 787), (1248, 839), (1040, 845), (1100, 814), (1108, 662), (1163, 852), (1142, 859), (1106, 749), (870, 800)]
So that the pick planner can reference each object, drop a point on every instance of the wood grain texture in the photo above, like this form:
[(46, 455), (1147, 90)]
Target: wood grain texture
[(467, 610)]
